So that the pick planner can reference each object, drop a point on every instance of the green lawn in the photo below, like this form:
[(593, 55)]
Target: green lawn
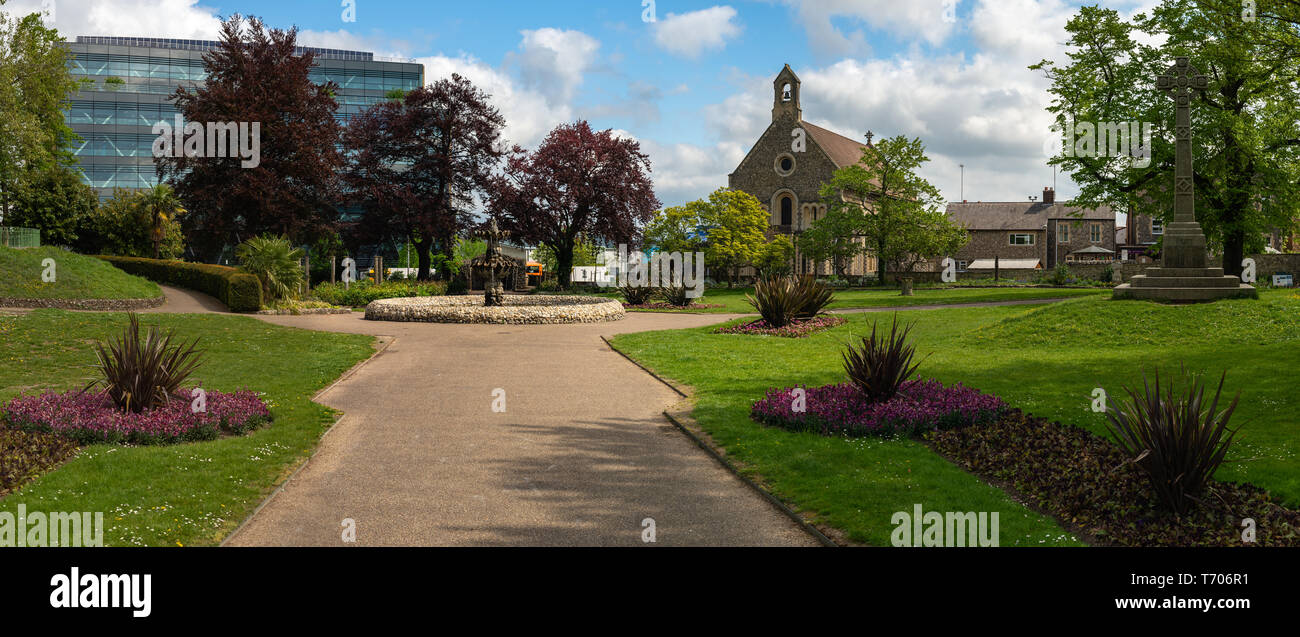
[(733, 299), (1044, 359), (185, 494), (75, 277)]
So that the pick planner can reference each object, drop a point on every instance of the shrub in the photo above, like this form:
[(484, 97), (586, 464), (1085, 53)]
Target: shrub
[(275, 263), (93, 418), (240, 291), (139, 375), (635, 295), (361, 293), (676, 296), (835, 410), (122, 226), (782, 300), (1176, 439), (457, 285), (881, 365), (774, 299), (813, 296), (25, 455)]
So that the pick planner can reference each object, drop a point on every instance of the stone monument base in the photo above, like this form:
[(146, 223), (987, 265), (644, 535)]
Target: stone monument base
[(1184, 285)]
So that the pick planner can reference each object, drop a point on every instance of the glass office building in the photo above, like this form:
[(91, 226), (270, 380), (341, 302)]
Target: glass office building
[(129, 81)]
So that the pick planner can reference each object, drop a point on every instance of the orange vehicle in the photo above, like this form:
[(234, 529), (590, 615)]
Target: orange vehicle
[(534, 270)]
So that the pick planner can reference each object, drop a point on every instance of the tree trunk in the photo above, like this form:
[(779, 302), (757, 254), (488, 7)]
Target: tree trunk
[(422, 256), (564, 264), (1234, 249), (880, 262)]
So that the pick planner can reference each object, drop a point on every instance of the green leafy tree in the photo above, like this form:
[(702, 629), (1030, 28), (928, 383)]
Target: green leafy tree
[(121, 226), (899, 210), (834, 238), (675, 229), (163, 206), (274, 262), (55, 201), (34, 88), (776, 257), (737, 224), (1245, 140), (729, 228)]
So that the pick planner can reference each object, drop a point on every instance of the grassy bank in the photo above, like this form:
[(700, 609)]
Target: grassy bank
[(75, 277)]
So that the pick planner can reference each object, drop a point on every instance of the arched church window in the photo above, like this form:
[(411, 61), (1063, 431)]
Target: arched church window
[(787, 211), (786, 94)]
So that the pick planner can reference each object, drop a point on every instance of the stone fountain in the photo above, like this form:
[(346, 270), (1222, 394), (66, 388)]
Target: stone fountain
[(491, 263)]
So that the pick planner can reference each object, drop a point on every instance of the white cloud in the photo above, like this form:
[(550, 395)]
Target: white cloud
[(529, 114), (910, 20), (128, 18), (552, 62), (691, 34)]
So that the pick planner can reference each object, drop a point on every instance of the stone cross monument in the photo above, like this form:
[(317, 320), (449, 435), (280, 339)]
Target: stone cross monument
[(1183, 277)]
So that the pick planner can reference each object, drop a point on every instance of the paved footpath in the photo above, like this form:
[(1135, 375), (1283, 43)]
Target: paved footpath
[(581, 456)]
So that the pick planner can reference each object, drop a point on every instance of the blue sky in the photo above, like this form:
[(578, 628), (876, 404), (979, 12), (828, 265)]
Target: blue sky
[(694, 87)]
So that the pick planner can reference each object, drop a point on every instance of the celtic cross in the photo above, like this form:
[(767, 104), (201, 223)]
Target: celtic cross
[(1181, 79)]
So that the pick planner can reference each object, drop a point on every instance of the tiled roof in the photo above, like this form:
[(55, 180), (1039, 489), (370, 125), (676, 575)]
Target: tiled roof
[(842, 150), (1020, 215)]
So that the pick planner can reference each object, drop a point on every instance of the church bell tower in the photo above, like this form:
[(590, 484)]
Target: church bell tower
[(785, 105)]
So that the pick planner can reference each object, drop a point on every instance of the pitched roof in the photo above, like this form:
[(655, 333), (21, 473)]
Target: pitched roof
[(1021, 215), (842, 150)]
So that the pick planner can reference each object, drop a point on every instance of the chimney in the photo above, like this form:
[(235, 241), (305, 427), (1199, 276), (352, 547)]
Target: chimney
[(1049, 195)]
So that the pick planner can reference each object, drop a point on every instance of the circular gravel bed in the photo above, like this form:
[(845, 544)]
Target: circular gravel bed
[(517, 310)]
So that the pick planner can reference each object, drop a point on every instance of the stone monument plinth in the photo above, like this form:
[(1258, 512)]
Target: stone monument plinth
[(1183, 276)]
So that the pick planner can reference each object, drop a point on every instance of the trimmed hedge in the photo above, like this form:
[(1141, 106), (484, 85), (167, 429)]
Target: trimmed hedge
[(240, 291)]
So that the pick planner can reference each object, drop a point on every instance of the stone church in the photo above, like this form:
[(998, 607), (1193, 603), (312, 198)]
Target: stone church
[(787, 166)]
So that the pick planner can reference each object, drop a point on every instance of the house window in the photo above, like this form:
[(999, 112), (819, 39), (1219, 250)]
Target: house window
[(1157, 227), (1094, 233), (1062, 232), (1021, 239), (962, 265), (787, 211)]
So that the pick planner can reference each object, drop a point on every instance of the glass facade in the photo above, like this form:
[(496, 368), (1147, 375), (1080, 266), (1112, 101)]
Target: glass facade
[(126, 84)]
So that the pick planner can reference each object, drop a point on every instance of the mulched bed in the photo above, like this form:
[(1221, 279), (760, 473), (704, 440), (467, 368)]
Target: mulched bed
[(797, 329), (1082, 480), (670, 306), (26, 455)]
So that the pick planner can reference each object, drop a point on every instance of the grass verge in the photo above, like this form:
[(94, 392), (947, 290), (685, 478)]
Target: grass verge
[(188, 494)]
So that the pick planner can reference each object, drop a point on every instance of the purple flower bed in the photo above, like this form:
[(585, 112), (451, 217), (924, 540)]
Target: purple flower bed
[(797, 329), (670, 306), (920, 406), (92, 418)]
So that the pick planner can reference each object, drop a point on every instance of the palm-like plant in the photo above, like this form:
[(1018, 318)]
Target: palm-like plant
[(274, 262), (142, 374), (163, 205), (1176, 439), (781, 300), (880, 365)]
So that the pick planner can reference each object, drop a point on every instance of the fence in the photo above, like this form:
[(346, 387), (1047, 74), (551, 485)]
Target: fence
[(20, 237)]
